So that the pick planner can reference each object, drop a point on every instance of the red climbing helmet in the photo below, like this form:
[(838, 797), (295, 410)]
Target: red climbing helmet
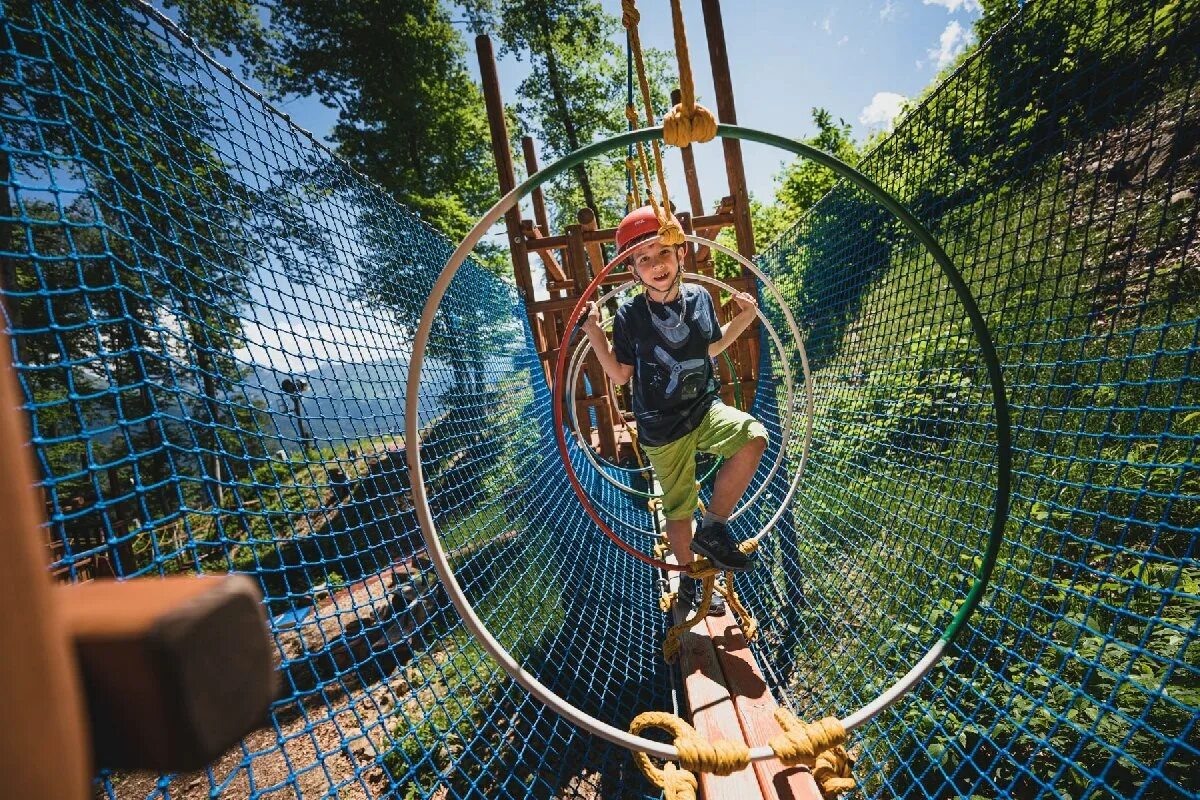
[(638, 226)]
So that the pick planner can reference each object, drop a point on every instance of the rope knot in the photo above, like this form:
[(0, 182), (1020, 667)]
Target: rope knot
[(678, 784), (682, 126), (722, 757), (669, 232), (695, 754), (818, 746), (630, 16), (631, 115)]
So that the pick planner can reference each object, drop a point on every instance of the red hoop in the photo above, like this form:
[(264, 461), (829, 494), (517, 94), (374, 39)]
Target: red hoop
[(558, 392)]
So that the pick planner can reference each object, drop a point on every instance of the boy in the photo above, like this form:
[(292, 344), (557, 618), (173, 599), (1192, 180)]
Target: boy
[(666, 338)]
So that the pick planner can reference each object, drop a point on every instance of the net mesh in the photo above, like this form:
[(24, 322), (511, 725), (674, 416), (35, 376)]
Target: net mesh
[(212, 317)]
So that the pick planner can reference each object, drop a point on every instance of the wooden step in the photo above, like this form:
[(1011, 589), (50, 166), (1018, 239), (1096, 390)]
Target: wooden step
[(728, 698)]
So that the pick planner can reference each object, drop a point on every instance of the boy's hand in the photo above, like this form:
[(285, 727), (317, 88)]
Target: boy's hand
[(745, 301), (591, 323)]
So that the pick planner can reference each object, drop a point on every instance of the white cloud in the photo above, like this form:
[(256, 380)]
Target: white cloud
[(889, 11), (883, 110), (843, 40), (953, 6), (827, 23), (951, 44)]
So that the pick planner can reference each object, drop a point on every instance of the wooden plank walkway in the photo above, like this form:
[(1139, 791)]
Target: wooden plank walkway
[(729, 699)]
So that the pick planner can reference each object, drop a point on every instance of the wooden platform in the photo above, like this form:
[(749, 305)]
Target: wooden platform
[(729, 699)]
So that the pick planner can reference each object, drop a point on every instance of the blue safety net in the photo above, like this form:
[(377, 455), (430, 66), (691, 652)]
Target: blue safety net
[(212, 321)]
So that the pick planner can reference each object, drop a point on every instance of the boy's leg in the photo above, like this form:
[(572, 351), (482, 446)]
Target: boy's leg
[(741, 440), (679, 534), (675, 467), (734, 476)]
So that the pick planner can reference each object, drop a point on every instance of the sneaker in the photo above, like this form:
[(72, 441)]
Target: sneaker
[(717, 607), (689, 598), (714, 543)]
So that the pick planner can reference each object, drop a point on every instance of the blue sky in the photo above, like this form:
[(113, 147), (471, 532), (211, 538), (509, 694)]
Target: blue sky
[(857, 58)]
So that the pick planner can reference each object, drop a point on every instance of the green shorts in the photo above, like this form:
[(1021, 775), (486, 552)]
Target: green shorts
[(723, 431)]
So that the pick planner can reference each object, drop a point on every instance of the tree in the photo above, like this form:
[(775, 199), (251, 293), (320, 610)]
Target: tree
[(837, 238), (801, 185), (226, 27), (141, 254), (410, 117), (575, 92)]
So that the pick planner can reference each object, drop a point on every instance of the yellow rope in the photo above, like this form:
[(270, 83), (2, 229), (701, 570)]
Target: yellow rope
[(702, 569), (696, 754), (668, 228), (687, 122), (818, 746), (635, 198)]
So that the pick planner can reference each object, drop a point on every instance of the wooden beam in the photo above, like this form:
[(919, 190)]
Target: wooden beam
[(539, 199), (735, 170), (176, 669), (587, 220), (44, 748), (710, 222), (554, 272), (755, 708), (689, 169), (504, 164), (713, 713)]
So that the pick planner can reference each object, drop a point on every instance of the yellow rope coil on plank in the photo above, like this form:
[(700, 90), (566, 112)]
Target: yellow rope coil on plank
[(820, 746), (687, 122), (696, 754), (817, 745)]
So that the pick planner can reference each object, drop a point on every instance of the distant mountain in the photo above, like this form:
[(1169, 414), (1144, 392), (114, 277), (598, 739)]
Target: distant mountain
[(343, 401)]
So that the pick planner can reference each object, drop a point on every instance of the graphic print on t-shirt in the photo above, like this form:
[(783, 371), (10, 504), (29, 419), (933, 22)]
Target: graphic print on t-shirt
[(667, 344), (673, 329), (691, 375)]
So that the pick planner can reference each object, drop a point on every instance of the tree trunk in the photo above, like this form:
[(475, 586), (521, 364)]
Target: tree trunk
[(208, 387), (564, 112)]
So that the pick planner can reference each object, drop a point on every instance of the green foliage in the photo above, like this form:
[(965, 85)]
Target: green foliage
[(574, 94), (409, 115), (1045, 167), (799, 186), (226, 27)]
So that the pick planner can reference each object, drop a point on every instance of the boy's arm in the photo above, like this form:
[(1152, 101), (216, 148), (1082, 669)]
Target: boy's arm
[(731, 330), (617, 372)]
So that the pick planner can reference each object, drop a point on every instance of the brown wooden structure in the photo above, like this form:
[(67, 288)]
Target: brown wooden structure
[(571, 258)]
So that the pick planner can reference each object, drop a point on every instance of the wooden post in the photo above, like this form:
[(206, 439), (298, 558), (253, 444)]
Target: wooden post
[(689, 169), (685, 221), (587, 220), (577, 259), (539, 199), (504, 164), (44, 747), (723, 84)]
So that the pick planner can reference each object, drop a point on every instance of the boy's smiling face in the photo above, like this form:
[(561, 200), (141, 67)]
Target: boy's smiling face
[(656, 265)]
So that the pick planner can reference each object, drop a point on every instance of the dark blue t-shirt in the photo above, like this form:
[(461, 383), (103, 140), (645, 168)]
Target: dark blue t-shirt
[(667, 345)]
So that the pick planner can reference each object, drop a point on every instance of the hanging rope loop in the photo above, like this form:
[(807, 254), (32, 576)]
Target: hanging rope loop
[(669, 230), (687, 122), (696, 754)]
